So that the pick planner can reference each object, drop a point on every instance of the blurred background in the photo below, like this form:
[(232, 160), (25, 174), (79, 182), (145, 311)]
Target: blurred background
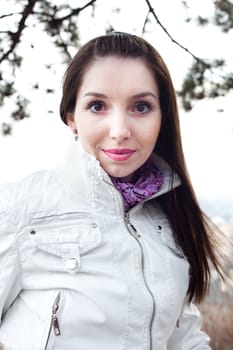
[(39, 37)]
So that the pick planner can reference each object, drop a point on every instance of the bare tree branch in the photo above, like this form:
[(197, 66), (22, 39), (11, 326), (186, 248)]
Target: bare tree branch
[(74, 12), (28, 10), (151, 10), (6, 32), (77, 11), (22, 23), (145, 22), (10, 14)]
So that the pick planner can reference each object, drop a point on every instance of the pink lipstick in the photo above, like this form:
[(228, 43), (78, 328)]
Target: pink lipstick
[(119, 154)]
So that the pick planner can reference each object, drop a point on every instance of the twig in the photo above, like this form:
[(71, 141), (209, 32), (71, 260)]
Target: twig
[(151, 10), (145, 22), (28, 10), (74, 12), (9, 15), (16, 36), (77, 10)]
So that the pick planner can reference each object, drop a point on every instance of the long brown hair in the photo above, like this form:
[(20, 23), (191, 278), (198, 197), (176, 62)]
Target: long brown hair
[(191, 228)]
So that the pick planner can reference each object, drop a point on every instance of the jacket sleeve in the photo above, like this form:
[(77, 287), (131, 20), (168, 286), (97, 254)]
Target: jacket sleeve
[(9, 262), (187, 334)]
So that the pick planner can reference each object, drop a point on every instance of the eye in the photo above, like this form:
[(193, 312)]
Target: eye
[(96, 106), (142, 107)]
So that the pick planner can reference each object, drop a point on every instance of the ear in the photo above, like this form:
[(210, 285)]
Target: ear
[(71, 123)]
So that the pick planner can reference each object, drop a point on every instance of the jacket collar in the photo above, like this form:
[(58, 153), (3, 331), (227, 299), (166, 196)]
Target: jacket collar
[(80, 169)]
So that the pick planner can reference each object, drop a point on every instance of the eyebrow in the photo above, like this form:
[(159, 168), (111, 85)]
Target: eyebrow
[(140, 95), (95, 94), (145, 94)]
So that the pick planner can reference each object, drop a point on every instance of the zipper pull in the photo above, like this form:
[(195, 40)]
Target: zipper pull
[(56, 327), (135, 230), (55, 322), (131, 226)]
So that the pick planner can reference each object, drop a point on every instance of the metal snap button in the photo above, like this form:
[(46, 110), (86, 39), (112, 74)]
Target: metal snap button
[(71, 263)]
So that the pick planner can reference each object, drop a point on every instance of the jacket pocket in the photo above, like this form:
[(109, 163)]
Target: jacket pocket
[(63, 237)]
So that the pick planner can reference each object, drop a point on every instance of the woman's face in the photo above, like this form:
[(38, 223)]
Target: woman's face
[(117, 114)]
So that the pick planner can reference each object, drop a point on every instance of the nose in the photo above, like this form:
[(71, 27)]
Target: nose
[(119, 127)]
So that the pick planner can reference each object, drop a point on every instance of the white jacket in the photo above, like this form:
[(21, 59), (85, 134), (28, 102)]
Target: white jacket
[(79, 274)]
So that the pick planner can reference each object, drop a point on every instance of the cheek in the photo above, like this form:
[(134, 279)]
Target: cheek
[(89, 137), (83, 127), (86, 137), (91, 130), (152, 135)]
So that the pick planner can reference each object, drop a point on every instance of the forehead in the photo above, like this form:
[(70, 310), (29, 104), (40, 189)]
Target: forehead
[(114, 72)]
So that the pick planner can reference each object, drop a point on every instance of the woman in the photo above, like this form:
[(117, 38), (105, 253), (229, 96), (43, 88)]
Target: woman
[(109, 250)]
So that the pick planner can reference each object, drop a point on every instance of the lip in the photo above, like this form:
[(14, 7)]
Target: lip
[(119, 154)]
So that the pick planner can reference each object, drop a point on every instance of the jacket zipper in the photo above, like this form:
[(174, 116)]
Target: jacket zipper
[(134, 233), (54, 324)]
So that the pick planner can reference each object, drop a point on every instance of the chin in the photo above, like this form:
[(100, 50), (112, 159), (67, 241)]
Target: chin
[(119, 172), (125, 176)]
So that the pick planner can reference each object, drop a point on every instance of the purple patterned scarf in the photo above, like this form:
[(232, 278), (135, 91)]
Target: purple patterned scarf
[(146, 181)]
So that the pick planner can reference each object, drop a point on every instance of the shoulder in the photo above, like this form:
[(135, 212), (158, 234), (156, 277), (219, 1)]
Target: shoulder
[(16, 194)]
